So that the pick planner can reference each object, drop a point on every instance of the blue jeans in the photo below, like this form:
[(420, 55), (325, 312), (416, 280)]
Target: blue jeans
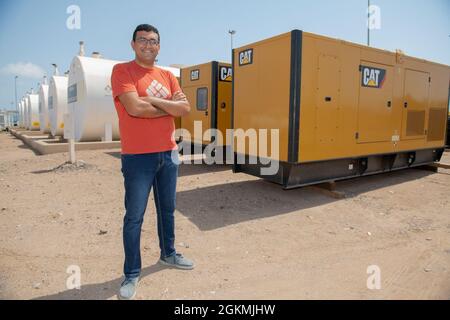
[(141, 172)]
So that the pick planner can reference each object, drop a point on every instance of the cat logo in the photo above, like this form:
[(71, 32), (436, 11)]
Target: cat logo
[(225, 74), (195, 74), (246, 57), (372, 77)]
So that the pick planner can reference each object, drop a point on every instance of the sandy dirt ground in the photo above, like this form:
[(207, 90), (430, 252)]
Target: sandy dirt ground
[(249, 238)]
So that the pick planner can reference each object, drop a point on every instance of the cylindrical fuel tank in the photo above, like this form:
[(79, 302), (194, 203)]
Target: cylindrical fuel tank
[(57, 103), (20, 114), (33, 112), (43, 109), (89, 99), (26, 119)]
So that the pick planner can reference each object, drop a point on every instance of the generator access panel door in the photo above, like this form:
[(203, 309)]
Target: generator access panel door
[(327, 101), (415, 104), (375, 102), (223, 108), (197, 85)]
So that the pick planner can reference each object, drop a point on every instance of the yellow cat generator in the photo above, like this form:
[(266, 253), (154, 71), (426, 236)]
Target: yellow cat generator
[(341, 109), (448, 130), (208, 89), (177, 121)]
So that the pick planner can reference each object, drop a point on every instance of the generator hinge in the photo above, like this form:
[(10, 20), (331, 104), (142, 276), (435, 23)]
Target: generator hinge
[(357, 135), (429, 79)]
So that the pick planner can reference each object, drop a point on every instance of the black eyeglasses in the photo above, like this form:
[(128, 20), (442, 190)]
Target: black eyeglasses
[(144, 41)]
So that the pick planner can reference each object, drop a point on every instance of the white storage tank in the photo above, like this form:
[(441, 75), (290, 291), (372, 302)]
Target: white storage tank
[(19, 107), (26, 123), (23, 113), (43, 107), (33, 112), (89, 98), (57, 103), (175, 71), (21, 123)]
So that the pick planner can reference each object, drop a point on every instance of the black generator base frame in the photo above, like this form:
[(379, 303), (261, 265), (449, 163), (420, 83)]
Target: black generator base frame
[(294, 175)]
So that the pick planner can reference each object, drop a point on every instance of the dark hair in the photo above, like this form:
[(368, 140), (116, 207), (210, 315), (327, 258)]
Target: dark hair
[(147, 28)]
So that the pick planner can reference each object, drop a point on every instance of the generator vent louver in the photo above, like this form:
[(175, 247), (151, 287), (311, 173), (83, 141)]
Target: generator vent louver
[(436, 124), (415, 123)]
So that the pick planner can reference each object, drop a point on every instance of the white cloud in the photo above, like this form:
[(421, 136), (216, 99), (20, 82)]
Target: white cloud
[(23, 69)]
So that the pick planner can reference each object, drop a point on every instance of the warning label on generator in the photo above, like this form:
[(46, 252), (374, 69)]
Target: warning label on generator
[(372, 77)]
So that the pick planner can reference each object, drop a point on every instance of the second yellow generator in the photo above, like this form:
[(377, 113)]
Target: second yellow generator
[(448, 130), (208, 89)]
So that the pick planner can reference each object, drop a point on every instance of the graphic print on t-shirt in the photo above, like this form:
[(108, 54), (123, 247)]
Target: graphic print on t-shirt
[(156, 89)]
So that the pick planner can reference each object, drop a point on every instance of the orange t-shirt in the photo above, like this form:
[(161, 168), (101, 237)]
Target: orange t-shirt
[(140, 135)]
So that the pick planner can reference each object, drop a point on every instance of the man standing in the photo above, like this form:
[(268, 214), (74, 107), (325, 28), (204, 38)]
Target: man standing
[(147, 99)]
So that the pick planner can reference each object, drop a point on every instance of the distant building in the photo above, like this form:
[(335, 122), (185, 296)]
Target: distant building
[(8, 119)]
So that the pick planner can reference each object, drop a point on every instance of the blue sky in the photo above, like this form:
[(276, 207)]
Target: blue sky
[(33, 34)]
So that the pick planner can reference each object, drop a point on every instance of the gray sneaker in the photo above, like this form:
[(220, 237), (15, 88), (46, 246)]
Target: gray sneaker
[(177, 261), (128, 288)]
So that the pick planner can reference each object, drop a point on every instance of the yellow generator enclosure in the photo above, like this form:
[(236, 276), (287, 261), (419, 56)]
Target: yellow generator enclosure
[(448, 130), (177, 121), (341, 109), (208, 89)]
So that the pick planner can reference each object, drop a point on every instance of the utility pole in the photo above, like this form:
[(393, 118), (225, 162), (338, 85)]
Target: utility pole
[(231, 32), (368, 23), (15, 91)]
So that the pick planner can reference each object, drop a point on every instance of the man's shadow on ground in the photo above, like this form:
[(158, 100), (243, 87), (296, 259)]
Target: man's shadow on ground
[(99, 291)]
